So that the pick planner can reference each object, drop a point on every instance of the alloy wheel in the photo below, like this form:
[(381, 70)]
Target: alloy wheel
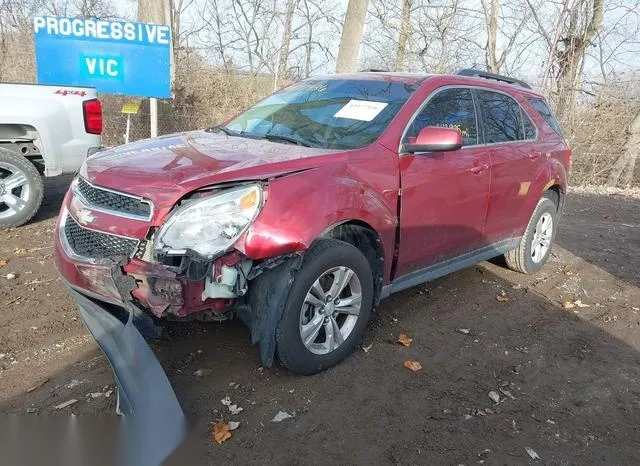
[(15, 191), (330, 310), (542, 236)]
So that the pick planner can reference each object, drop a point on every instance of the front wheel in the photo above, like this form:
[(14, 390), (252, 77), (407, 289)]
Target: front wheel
[(535, 245), (328, 308), (21, 189)]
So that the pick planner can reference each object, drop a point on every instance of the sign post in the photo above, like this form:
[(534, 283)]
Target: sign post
[(130, 108), (115, 57)]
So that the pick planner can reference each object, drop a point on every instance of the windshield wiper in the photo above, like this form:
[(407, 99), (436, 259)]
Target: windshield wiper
[(225, 130), (280, 137), (269, 136), (231, 132)]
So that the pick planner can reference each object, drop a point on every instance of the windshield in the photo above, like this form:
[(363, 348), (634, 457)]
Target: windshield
[(333, 113)]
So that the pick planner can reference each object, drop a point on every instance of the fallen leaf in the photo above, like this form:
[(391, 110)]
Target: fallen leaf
[(568, 305), (412, 365), (65, 404), (221, 432), (281, 416), (502, 299), (233, 425), (495, 397), (507, 393), (532, 453), (19, 251), (235, 409), (579, 303), (405, 340), (2, 262)]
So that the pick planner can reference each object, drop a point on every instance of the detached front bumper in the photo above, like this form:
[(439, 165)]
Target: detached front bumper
[(155, 421)]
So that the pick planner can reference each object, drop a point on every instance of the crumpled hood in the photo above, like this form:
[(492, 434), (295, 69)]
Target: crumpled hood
[(166, 168)]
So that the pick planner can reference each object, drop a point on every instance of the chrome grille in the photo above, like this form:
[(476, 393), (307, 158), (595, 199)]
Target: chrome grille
[(97, 245), (112, 201)]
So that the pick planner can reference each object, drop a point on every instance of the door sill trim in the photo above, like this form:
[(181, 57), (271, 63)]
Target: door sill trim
[(448, 266)]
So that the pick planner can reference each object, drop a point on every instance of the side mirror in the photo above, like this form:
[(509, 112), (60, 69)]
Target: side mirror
[(435, 139)]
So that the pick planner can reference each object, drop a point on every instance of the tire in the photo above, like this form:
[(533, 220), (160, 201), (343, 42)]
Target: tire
[(20, 201), (523, 259), (325, 261)]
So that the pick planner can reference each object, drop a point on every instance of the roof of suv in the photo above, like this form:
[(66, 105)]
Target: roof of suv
[(418, 78)]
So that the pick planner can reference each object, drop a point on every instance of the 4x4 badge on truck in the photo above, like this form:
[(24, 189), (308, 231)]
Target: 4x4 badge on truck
[(85, 217)]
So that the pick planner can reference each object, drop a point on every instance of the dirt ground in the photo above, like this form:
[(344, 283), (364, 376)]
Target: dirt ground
[(567, 377)]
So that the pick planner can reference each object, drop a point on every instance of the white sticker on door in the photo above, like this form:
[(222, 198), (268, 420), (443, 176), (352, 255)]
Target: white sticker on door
[(363, 110)]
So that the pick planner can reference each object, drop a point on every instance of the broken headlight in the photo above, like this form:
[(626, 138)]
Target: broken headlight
[(212, 224)]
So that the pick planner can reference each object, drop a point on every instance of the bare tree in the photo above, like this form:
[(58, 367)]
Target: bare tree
[(508, 26), (351, 36), (570, 56), (283, 53), (403, 37), (491, 15), (623, 169), (576, 28)]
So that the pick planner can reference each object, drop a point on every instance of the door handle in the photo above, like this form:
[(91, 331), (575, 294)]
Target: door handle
[(477, 169)]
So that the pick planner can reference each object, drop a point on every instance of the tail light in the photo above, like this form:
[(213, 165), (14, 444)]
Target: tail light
[(92, 110)]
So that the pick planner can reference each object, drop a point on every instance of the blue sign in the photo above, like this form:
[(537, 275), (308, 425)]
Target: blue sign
[(114, 57)]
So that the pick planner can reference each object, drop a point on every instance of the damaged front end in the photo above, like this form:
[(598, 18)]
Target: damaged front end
[(185, 268), (228, 286)]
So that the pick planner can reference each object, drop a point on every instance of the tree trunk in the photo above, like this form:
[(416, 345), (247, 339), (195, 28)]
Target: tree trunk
[(622, 170), (286, 38), (351, 36), (155, 11), (570, 59), (491, 17), (403, 38)]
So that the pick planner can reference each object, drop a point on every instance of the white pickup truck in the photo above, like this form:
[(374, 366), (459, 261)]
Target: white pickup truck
[(44, 131)]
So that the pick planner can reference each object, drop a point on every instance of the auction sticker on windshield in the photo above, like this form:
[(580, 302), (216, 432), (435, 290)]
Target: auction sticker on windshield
[(363, 110)]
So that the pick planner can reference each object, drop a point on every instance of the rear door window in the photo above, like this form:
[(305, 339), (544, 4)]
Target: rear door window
[(543, 109), (502, 118), (450, 108), (529, 128)]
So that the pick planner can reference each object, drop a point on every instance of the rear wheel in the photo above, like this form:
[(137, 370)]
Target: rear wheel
[(328, 308), (535, 245), (21, 189)]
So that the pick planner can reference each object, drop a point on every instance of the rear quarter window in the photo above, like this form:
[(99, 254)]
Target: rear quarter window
[(543, 109)]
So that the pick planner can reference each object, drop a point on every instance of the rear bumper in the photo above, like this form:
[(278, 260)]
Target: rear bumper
[(145, 396)]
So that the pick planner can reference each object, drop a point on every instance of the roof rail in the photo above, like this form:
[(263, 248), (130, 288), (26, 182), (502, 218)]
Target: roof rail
[(373, 70), (497, 77)]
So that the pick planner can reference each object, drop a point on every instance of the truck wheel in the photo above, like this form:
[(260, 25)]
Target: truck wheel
[(535, 244), (21, 189), (328, 308)]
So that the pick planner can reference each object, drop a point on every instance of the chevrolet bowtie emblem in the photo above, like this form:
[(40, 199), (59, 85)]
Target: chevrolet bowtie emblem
[(85, 217)]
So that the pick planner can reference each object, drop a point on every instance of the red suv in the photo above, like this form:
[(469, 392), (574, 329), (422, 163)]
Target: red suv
[(299, 215)]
